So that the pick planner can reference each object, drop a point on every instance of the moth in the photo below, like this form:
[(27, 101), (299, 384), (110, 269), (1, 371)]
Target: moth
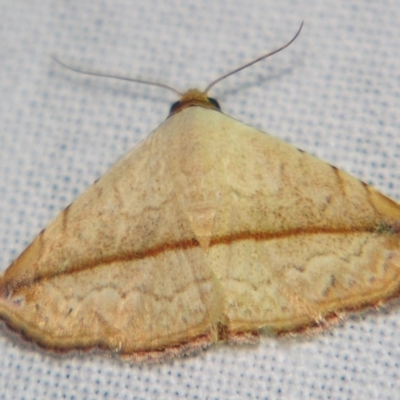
[(209, 230)]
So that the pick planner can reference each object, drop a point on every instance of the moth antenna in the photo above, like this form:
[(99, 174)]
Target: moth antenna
[(207, 89), (123, 78), (164, 86)]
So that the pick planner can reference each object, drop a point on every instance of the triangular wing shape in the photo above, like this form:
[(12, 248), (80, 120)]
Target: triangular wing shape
[(207, 230)]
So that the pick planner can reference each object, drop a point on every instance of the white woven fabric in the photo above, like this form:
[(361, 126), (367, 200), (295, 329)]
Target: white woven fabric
[(335, 93)]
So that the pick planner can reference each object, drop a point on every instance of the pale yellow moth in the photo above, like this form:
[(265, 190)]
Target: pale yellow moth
[(209, 230)]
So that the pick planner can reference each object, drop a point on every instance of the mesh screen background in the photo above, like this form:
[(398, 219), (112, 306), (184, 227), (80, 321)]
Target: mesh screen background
[(334, 93)]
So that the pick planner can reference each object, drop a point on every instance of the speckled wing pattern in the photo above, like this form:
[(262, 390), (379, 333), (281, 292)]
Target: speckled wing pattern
[(208, 230)]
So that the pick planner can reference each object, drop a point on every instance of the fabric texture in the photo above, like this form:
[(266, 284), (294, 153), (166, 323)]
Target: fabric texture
[(335, 93)]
